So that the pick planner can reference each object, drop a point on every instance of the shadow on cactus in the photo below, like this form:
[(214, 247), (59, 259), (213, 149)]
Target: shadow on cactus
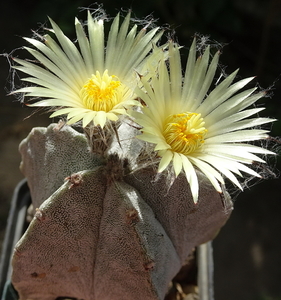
[(132, 179)]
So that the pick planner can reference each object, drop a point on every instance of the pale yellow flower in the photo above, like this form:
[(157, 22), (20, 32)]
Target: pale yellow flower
[(194, 128), (94, 81)]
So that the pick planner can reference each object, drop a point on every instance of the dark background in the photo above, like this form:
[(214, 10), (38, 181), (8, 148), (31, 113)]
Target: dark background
[(247, 251)]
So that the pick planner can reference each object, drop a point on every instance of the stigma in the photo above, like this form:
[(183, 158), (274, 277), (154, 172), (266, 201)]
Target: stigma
[(101, 92), (185, 132)]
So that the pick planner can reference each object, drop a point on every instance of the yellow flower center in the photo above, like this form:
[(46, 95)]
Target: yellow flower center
[(185, 132), (101, 92)]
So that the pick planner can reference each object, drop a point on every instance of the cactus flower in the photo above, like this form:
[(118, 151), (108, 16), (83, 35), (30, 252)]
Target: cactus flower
[(92, 83), (195, 128)]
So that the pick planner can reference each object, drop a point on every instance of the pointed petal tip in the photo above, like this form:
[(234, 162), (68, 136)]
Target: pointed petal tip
[(195, 199), (51, 20)]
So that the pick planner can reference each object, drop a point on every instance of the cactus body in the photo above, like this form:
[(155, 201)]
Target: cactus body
[(105, 233)]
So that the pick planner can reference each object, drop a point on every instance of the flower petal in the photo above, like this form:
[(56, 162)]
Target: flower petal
[(191, 177), (165, 160), (177, 163)]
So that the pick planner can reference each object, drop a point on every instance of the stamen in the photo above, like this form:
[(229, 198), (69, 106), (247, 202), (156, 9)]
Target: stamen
[(185, 132), (101, 93)]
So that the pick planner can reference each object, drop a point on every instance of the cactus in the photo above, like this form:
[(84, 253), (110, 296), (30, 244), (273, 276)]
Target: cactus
[(109, 231), (119, 207)]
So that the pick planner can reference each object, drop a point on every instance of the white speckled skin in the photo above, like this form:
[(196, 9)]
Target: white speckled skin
[(105, 233), (51, 154)]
